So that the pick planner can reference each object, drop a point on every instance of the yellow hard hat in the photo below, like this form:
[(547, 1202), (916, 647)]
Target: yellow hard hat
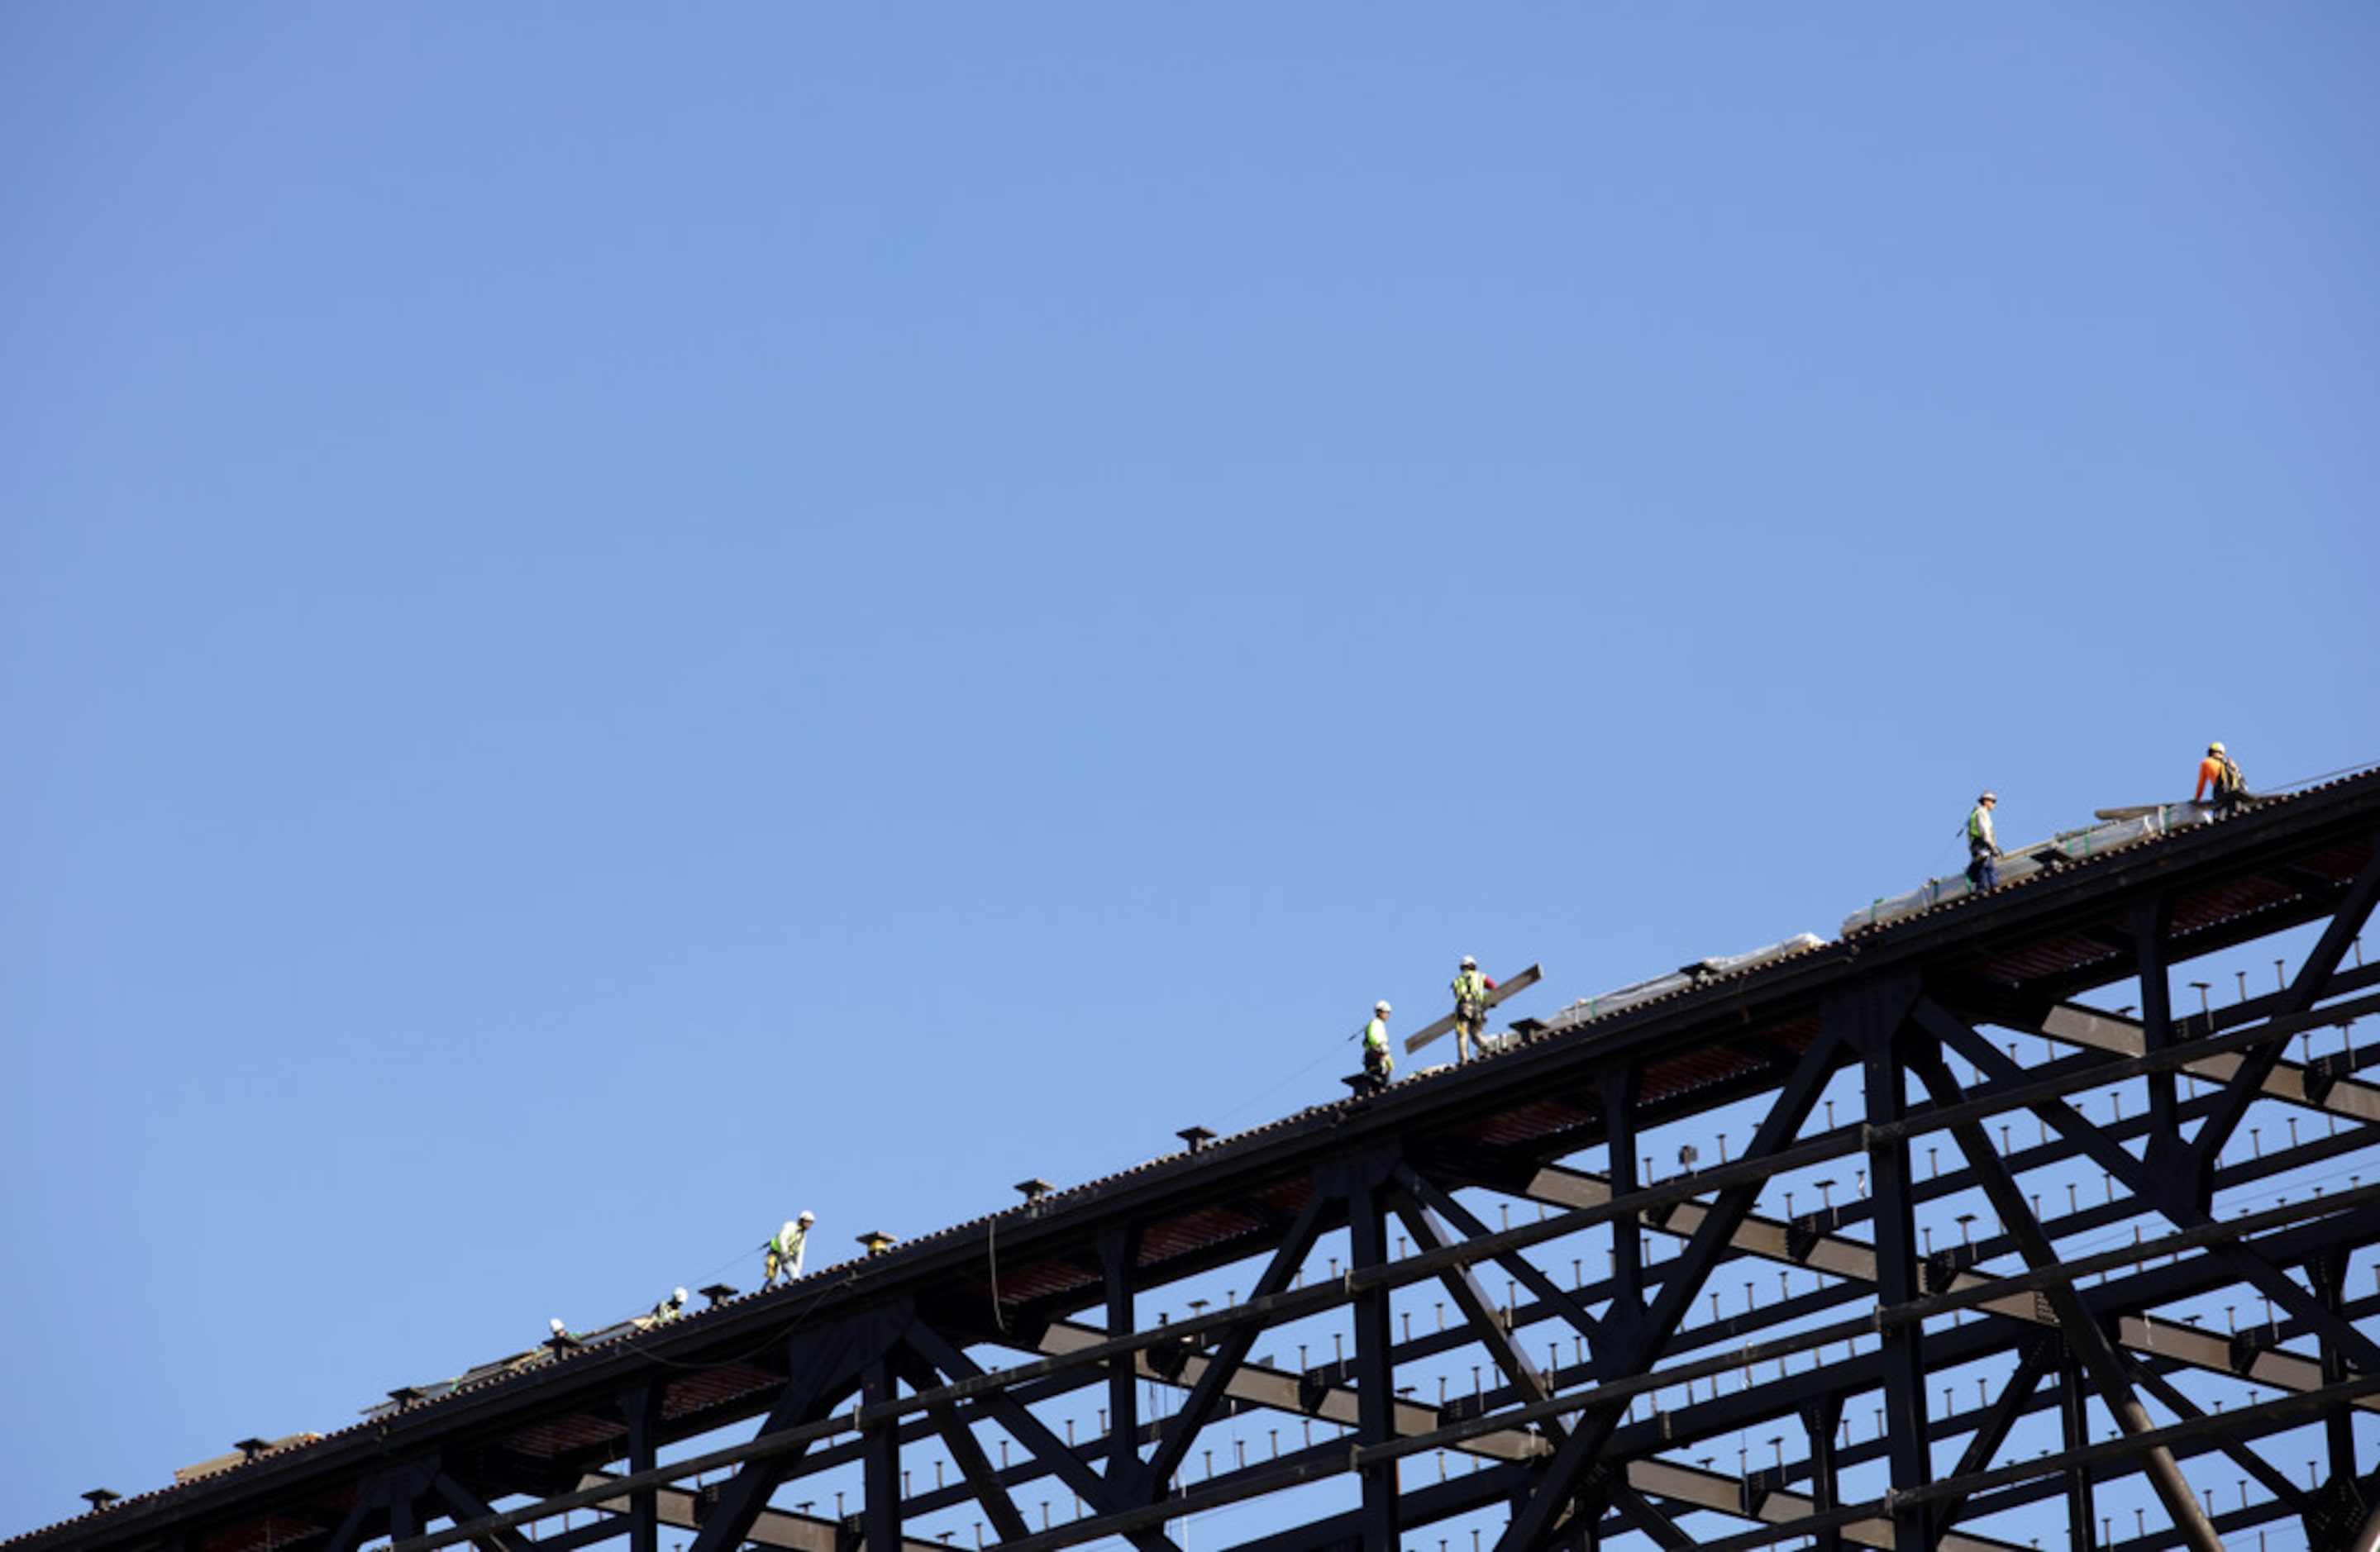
[(2214, 748)]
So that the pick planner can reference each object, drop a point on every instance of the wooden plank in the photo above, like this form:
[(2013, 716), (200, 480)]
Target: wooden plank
[(1521, 982)]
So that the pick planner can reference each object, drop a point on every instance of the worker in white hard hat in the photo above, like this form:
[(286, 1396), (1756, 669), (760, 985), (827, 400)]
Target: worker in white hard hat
[(1378, 1062), (1983, 845), (784, 1252), (669, 1309), (2218, 772), (1471, 989)]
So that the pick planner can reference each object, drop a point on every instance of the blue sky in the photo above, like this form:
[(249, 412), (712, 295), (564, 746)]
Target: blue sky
[(619, 620)]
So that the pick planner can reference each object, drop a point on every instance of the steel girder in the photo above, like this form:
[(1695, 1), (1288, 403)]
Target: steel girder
[(1909, 1383)]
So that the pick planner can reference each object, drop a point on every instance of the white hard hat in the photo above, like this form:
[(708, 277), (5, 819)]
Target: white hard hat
[(677, 1296), (1381, 1006), (809, 1217), (1469, 963), (556, 1324)]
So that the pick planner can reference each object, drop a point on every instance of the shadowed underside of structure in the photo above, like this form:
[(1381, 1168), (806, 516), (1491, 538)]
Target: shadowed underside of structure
[(1989, 1228)]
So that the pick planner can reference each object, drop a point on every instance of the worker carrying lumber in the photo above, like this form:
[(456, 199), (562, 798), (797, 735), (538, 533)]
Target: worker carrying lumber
[(1471, 989), (1378, 1062), (1983, 846), (2217, 771), (783, 1251)]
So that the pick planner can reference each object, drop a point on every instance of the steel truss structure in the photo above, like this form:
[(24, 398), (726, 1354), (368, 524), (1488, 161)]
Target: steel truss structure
[(1973, 1231)]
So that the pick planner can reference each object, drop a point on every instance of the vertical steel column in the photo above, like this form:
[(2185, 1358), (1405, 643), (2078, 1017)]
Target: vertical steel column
[(642, 1408), (2149, 920), (879, 1518), (1118, 1250), (1822, 1418), (399, 1492), (1873, 1021), (2327, 1272), (1619, 1086), (2074, 1416), (2184, 1186), (1375, 1374), (404, 1515)]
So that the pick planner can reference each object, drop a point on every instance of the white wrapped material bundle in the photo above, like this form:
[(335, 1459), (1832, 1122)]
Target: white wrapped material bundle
[(1590, 1008)]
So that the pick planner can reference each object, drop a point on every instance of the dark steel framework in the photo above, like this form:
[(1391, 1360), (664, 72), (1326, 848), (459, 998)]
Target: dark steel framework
[(1982, 1231)]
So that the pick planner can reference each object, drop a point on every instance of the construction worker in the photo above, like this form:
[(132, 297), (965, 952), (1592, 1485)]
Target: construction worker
[(1471, 989), (1983, 846), (2216, 771), (784, 1252), (1378, 1062), (669, 1309)]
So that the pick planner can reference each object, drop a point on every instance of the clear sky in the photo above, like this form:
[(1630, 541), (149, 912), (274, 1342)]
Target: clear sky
[(616, 620)]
